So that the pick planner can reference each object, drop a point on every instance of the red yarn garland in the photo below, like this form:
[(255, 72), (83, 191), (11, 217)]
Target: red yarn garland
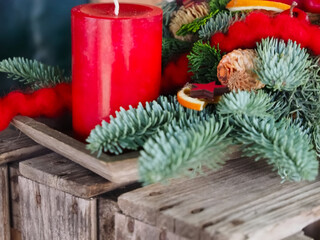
[(258, 25), (175, 75), (48, 102)]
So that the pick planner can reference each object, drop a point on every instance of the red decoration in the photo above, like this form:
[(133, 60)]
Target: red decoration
[(116, 60), (207, 90), (175, 75), (258, 25), (48, 102)]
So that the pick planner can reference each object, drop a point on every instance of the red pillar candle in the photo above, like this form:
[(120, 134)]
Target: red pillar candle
[(116, 60)]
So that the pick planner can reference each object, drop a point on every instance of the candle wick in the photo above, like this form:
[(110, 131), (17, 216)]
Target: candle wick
[(116, 7)]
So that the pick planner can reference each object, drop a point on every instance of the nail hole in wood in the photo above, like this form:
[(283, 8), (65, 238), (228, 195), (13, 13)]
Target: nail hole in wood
[(130, 225), (168, 206), (198, 210), (155, 194), (208, 224), (163, 235), (74, 207), (38, 198), (59, 162), (237, 222)]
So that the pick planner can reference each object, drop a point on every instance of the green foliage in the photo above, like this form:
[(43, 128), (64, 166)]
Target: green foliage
[(203, 62), (219, 23), (172, 47), (286, 147), (172, 153), (168, 9), (245, 103), (195, 25), (32, 72), (282, 66), (131, 128), (218, 5)]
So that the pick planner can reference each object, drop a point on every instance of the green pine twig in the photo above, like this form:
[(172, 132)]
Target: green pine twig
[(203, 62), (282, 66), (172, 153), (195, 25), (32, 72), (131, 128), (245, 103), (219, 23), (286, 147), (218, 5)]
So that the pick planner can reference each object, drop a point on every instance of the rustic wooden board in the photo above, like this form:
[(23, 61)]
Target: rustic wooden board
[(128, 228), (119, 169), (15, 198), (244, 200), (60, 173), (16, 146), (4, 204), (47, 213), (107, 208)]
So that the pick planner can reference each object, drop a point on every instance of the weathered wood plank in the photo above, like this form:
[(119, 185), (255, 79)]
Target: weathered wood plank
[(15, 197), (118, 169), (127, 228), (58, 172), (4, 204), (107, 208), (298, 236), (245, 200), (51, 214), (16, 146)]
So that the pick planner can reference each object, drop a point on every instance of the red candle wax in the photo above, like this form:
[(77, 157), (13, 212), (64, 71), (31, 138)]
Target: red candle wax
[(116, 60)]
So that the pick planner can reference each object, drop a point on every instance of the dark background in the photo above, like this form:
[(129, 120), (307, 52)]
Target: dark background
[(35, 29)]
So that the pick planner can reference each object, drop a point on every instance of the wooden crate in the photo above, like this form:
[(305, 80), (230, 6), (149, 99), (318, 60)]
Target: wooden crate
[(245, 200), (14, 147), (59, 199), (46, 196)]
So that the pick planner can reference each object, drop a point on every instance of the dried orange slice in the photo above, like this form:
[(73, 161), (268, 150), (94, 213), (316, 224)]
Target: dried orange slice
[(189, 102), (241, 5)]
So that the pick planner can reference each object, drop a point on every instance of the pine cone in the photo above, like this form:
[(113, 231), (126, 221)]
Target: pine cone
[(235, 70), (187, 15)]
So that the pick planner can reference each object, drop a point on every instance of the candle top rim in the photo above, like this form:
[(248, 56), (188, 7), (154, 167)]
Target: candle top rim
[(127, 11)]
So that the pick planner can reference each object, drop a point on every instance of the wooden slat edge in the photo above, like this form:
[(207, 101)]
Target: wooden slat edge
[(115, 169)]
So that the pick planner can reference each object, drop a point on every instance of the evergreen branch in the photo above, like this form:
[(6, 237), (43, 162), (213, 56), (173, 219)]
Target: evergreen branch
[(195, 25), (282, 66), (172, 153), (131, 128), (218, 5), (168, 9), (32, 72), (286, 147), (219, 23), (172, 47), (203, 62), (316, 138), (303, 102), (245, 103)]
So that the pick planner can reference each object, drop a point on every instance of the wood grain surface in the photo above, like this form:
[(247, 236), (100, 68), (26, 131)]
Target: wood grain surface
[(60, 173), (47, 213), (244, 200)]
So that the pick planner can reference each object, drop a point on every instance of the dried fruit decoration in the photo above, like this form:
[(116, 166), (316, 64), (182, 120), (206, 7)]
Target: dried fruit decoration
[(235, 70)]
